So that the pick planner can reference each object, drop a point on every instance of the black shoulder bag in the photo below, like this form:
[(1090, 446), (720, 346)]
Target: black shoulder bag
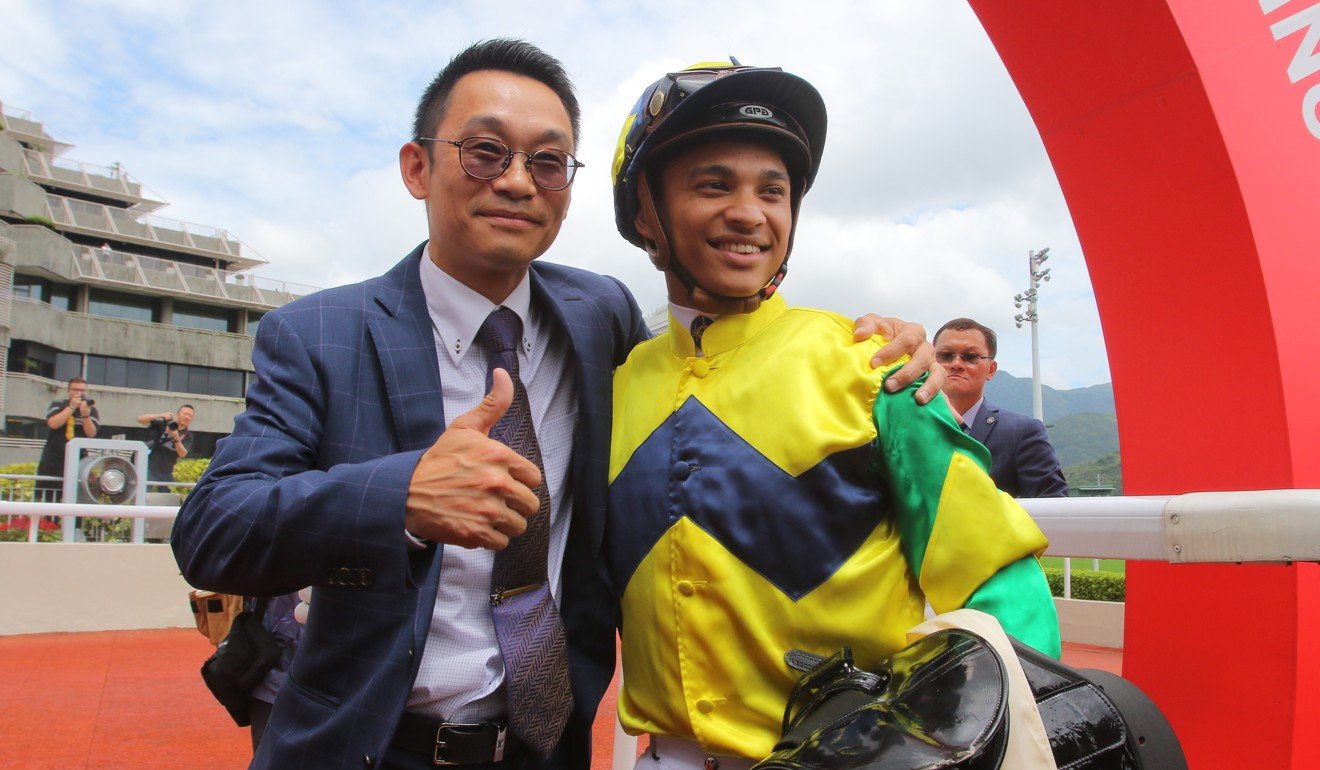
[(241, 661)]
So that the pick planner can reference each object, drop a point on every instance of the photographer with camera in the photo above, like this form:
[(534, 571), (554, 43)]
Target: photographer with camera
[(69, 418), (171, 441)]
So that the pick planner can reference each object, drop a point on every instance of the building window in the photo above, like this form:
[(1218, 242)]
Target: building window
[(96, 370), (148, 375), (58, 295), (204, 379), (26, 427), (130, 307), (62, 296), (68, 366), (179, 379), (44, 361), (27, 287), (205, 317), (254, 318), (154, 375), (226, 382)]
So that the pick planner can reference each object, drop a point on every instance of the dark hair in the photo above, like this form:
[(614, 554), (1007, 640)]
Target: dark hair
[(77, 379), (504, 54), (967, 324), (187, 406)]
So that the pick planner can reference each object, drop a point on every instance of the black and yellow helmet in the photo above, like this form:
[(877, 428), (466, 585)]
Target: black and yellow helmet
[(701, 100)]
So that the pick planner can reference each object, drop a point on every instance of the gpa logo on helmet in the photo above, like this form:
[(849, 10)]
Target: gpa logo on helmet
[(756, 112)]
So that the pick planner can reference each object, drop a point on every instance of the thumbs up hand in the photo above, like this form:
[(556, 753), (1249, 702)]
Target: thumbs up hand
[(469, 489)]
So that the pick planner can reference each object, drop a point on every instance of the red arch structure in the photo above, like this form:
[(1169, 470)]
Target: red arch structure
[(1186, 139)]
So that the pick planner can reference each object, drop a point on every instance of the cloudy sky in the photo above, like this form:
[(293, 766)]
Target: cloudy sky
[(281, 122)]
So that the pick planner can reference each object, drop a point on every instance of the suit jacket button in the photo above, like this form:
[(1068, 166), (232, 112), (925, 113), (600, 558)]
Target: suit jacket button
[(345, 576), (366, 577), (366, 760)]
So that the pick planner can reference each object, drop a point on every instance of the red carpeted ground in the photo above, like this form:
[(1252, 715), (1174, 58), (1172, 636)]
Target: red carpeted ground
[(134, 699)]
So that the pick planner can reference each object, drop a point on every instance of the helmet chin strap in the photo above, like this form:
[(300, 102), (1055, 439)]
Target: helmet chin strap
[(698, 297), (708, 301)]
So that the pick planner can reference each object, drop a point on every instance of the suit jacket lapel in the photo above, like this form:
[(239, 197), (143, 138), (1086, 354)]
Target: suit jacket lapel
[(575, 318), (986, 420), (406, 354), (405, 349)]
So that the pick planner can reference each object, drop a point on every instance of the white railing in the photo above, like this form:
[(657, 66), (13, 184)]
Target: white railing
[(120, 267), (1267, 526), (36, 510), (279, 287), (100, 219), (23, 123), (89, 176)]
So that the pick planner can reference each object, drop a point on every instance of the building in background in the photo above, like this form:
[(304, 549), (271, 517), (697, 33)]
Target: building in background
[(153, 312)]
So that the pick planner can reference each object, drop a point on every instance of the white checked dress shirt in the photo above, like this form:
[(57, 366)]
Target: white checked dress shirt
[(461, 677), (969, 417)]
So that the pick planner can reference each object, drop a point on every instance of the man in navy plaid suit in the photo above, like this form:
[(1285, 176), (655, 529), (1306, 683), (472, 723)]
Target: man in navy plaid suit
[(362, 464)]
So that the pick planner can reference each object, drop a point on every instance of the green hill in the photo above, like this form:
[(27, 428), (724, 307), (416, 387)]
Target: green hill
[(1106, 471), (1080, 438), (1014, 393), (1081, 422)]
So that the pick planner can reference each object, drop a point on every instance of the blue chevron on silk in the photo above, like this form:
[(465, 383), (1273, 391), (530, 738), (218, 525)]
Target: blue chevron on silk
[(527, 622), (722, 484)]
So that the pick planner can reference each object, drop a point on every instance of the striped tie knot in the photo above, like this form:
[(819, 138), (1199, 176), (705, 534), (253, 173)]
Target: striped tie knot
[(698, 328)]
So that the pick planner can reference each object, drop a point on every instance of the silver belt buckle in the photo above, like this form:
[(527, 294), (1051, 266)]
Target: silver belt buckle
[(438, 758)]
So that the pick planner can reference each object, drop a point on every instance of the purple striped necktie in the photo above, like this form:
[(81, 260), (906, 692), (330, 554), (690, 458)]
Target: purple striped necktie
[(527, 622)]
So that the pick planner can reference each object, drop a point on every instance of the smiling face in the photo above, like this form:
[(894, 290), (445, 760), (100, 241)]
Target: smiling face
[(486, 233), (728, 215)]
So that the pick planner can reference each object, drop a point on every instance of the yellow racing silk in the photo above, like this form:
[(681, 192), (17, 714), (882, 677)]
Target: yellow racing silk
[(768, 496)]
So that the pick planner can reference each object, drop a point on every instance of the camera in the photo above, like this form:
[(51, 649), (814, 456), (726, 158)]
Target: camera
[(89, 401), (172, 425)]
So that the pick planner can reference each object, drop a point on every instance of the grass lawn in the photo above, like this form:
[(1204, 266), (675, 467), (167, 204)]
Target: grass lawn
[(1106, 565)]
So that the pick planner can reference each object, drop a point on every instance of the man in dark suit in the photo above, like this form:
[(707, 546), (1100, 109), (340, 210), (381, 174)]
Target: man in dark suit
[(367, 462), (1023, 463)]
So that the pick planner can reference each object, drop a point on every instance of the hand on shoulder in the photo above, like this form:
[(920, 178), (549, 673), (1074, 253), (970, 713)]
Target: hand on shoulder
[(904, 338)]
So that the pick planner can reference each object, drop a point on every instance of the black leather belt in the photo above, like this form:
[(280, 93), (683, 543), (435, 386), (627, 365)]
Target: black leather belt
[(454, 743)]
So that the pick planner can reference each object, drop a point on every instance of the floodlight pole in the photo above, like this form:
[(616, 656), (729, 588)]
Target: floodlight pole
[(1034, 260)]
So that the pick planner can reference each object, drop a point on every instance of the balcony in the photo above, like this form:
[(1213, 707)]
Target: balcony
[(24, 127), (110, 267), (96, 220), (85, 179), (44, 252)]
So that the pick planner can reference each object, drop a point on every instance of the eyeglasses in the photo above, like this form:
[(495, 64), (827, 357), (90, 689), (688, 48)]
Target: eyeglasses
[(971, 359), (486, 159)]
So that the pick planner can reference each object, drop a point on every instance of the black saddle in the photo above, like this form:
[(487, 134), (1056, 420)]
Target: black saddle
[(940, 703)]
